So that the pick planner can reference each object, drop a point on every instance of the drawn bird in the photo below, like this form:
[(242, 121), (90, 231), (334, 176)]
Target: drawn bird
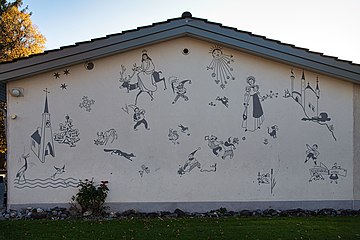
[(184, 129), (58, 171), (21, 173)]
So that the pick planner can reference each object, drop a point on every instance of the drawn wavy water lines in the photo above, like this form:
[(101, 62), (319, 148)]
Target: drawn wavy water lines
[(47, 183)]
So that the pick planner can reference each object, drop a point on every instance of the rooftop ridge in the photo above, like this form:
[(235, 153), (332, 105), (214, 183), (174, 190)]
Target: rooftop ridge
[(197, 24)]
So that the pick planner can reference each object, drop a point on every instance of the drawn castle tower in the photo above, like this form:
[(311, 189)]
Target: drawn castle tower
[(42, 143), (307, 97), (303, 88)]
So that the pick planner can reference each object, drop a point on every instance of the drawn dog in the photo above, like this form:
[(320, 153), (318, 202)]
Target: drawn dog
[(273, 131), (120, 153)]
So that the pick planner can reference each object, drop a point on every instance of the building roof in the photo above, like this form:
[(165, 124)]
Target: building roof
[(36, 137), (186, 25)]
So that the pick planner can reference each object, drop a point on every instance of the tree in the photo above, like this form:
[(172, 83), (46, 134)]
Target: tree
[(18, 36)]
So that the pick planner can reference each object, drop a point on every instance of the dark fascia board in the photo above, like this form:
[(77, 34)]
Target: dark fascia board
[(193, 27)]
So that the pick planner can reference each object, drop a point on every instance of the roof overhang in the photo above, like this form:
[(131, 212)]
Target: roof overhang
[(175, 28)]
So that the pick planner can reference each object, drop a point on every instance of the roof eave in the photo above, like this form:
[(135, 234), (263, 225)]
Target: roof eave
[(196, 28)]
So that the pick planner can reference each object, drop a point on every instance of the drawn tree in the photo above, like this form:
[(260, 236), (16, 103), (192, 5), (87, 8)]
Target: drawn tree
[(68, 135), (18, 36)]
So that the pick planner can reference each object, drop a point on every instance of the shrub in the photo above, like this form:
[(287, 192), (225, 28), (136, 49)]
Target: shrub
[(91, 197)]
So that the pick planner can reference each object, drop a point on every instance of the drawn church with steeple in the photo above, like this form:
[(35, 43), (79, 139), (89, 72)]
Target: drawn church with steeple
[(42, 143), (308, 97)]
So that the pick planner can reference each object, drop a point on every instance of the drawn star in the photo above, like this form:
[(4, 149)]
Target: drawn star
[(66, 72), (56, 75), (63, 86)]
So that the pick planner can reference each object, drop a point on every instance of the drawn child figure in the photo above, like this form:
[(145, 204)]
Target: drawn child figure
[(312, 153), (214, 144), (179, 89), (139, 118), (229, 148), (334, 173), (253, 115), (190, 164)]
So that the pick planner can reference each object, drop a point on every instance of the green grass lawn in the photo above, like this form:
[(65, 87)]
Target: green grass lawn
[(186, 228)]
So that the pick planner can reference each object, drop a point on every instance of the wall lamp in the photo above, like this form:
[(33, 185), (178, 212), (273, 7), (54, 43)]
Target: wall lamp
[(17, 92)]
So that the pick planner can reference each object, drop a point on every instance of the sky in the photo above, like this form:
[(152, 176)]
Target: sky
[(331, 27)]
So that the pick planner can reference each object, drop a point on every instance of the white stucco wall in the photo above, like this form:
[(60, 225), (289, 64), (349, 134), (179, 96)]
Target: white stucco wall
[(234, 180)]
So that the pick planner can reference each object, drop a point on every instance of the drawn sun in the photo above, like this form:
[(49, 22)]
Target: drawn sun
[(220, 66)]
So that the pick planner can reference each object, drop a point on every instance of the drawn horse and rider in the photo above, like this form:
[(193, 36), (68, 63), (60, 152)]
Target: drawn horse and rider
[(146, 76)]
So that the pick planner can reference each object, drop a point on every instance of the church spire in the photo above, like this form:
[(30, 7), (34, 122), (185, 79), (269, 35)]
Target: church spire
[(317, 89), (46, 108)]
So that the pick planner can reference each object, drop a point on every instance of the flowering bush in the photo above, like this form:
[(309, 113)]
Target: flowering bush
[(91, 197)]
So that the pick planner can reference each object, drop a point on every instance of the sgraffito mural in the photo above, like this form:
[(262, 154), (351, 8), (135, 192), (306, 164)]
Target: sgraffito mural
[(138, 116), (273, 131), (63, 86), (47, 183), (175, 134), (42, 143), (21, 180), (66, 72), (225, 149), (169, 126), (58, 171), (308, 98), (178, 88), (87, 103), (220, 67), (146, 78), (120, 153), (223, 100), (57, 75), (319, 171), (67, 135), (190, 163), (253, 115), (144, 169), (104, 137), (20, 175), (267, 178)]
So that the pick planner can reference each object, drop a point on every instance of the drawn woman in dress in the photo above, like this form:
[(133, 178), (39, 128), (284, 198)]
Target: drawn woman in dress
[(253, 115), (146, 81)]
